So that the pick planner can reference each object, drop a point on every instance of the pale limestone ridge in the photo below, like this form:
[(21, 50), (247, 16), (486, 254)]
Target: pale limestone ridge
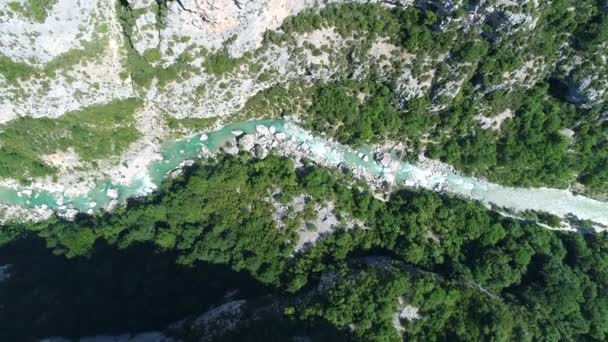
[(212, 24), (67, 23), (69, 87)]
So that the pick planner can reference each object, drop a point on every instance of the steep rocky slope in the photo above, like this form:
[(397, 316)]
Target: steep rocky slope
[(392, 208), (197, 63)]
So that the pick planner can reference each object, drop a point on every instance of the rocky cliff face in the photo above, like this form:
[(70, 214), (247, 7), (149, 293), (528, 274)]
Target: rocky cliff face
[(67, 23), (192, 59), (77, 57), (70, 61), (235, 25)]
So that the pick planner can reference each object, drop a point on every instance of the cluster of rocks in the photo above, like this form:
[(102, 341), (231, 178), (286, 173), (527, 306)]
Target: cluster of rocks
[(10, 213), (68, 211), (267, 138), (179, 170), (262, 141), (435, 166)]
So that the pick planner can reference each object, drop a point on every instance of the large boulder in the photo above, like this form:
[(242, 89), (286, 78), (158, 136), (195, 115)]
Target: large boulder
[(261, 151), (246, 142), (384, 159), (262, 130), (112, 193)]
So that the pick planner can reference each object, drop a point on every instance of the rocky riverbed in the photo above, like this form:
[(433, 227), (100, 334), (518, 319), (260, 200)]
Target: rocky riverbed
[(382, 167)]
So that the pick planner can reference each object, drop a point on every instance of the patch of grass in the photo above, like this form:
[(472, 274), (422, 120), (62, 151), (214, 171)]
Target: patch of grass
[(89, 50), (188, 125), (152, 55), (12, 71), (283, 99), (94, 133), (36, 10), (139, 69), (142, 72), (220, 63)]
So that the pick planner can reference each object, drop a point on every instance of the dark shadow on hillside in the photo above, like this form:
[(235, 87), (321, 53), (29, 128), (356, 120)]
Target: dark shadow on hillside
[(112, 291)]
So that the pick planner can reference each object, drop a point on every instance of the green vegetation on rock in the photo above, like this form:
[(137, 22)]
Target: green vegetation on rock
[(187, 126), (220, 63), (279, 100), (36, 10), (363, 112), (409, 26), (94, 133), (88, 51), (144, 69), (13, 71)]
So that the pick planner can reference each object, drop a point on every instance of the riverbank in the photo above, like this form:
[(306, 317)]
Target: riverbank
[(382, 167)]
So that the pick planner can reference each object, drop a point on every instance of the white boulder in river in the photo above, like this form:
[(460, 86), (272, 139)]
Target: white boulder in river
[(112, 193), (262, 130), (246, 142)]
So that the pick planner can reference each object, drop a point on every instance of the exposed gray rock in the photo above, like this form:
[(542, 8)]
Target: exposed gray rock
[(262, 130), (219, 320), (112, 205), (384, 159), (261, 152), (28, 41), (246, 142), (230, 148), (212, 24)]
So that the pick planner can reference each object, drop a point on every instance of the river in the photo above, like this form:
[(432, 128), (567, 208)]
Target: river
[(554, 201)]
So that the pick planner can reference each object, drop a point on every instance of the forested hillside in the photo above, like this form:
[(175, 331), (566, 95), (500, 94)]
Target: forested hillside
[(469, 273), (515, 117), (295, 170)]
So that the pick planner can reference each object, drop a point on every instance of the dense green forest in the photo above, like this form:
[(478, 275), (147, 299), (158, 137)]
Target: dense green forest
[(472, 274), (529, 149)]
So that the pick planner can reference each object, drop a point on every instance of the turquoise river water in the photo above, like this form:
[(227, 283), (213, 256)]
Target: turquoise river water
[(558, 202)]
